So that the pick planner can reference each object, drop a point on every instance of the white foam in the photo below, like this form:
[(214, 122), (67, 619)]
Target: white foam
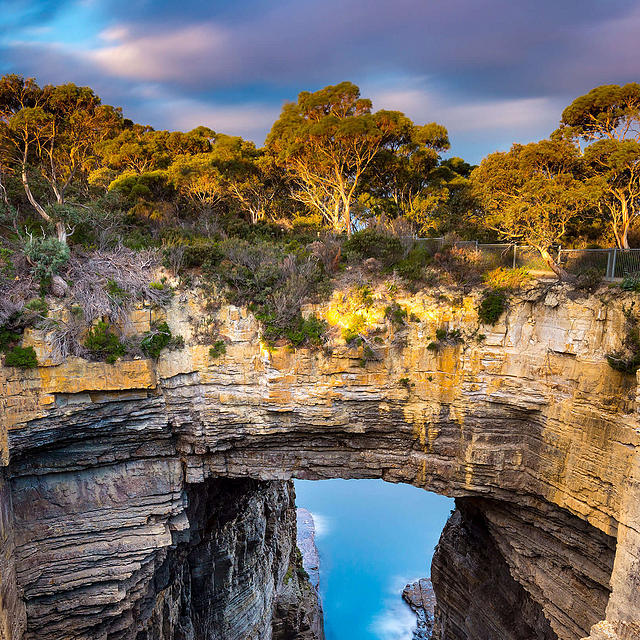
[(323, 524)]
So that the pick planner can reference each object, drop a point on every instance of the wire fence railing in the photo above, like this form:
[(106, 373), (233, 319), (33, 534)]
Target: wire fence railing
[(610, 263)]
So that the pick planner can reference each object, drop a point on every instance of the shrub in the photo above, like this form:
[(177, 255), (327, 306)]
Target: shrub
[(115, 291), (628, 359), (492, 306), (7, 338), (351, 332), (154, 341), (371, 243), (396, 314), (631, 282), (46, 256), (23, 357), (219, 348), (413, 267), (363, 295), (502, 278), (103, 344), (38, 306), (309, 331)]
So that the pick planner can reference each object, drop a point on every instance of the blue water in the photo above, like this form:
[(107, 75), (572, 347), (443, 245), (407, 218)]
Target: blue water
[(373, 538)]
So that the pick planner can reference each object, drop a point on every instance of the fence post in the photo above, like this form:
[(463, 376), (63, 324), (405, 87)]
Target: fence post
[(515, 249), (613, 267)]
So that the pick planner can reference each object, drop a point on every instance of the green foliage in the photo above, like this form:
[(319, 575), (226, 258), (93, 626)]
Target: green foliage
[(103, 344), (396, 314), (631, 282), (115, 291), (492, 306), (22, 357), (351, 332), (218, 349), (46, 256), (8, 338), (368, 354), (309, 331), (154, 341), (413, 267), (406, 383), (627, 360), (159, 286), (441, 334), (371, 243), (38, 306), (433, 346), (7, 268), (363, 295)]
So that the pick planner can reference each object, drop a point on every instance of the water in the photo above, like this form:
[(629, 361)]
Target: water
[(373, 538)]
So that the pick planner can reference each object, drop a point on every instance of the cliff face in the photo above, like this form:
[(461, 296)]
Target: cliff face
[(528, 420)]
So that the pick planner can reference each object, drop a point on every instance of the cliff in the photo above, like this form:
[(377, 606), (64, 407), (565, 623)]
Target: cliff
[(102, 463)]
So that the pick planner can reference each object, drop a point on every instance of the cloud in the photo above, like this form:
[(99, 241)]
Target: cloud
[(492, 72), (196, 50)]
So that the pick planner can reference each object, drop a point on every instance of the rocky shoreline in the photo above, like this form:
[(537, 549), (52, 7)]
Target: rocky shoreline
[(421, 598)]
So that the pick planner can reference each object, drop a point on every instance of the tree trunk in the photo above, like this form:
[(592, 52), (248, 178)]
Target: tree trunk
[(36, 205), (563, 275), (61, 230), (624, 240)]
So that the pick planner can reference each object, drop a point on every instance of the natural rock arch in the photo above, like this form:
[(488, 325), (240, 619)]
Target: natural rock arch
[(530, 421)]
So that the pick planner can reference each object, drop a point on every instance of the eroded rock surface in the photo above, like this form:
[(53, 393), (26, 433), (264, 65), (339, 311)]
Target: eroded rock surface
[(421, 598), (527, 414)]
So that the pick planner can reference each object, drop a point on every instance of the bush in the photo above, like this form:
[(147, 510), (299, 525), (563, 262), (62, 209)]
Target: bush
[(503, 278), (154, 341), (396, 314), (413, 267), (309, 331), (102, 344), (627, 360), (219, 348), (631, 282), (351, 332), (38, 306), (23, 357), (46, 256), (492, 306), (370, 243)]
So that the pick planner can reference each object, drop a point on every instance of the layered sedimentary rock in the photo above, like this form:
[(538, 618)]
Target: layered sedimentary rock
[(421, 599), (497, 569), (99, 459)]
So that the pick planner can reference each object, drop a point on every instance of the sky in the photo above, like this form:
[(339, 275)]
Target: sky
[(493, 72)]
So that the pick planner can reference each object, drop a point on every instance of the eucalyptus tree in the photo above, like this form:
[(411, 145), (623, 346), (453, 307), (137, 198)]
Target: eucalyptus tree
[(53, 131), (326, 141), (608, 118), (405, 177), (533, 192)]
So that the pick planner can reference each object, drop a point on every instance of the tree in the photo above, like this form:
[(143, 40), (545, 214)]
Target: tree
[(615, 167), (405, 177), (532, 192), (326, 141), (609, 111), (52, 130), (198, 179), (609, 117), (140, 148)]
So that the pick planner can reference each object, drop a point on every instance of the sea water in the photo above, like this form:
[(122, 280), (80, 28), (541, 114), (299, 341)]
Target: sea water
[(373, 538)]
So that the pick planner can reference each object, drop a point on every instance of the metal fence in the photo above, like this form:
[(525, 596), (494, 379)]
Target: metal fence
[(611, 263)]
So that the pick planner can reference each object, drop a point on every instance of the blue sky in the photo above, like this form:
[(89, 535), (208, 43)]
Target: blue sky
[(492, 71)]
